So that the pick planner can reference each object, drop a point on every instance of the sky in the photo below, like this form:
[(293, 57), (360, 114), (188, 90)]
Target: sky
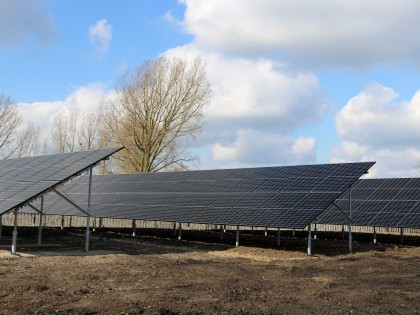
[(293, 81)]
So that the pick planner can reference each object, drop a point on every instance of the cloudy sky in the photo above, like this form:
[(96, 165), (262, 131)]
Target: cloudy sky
[(294, 82)]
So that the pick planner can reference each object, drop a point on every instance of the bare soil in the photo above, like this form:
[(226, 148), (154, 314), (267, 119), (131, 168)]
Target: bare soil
[(155, 274)]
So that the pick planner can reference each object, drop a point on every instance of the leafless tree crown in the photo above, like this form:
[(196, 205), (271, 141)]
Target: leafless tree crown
[(156, 110)]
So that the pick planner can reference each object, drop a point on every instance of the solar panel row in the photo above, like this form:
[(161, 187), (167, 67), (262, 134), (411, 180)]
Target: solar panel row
[(288, 197), (391, 202), (23, 179)]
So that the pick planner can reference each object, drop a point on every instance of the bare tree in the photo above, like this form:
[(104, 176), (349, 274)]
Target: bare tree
[(10, 121), (28, 142), (156, 112), (65, 132), (89, 132)]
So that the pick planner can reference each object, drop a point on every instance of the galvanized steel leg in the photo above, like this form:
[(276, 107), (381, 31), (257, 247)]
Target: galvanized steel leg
[(180, 231), (374, 235), (134, 228), (33, 220), (266, 232), (402, 235), (221, 232), (70, 221), (278, 237), (237, 235), (88, 212), (14, 239), (174, 228), (309, 239), (62, 222), (342, 231), (350, 224), (1, 225), (41, 216), (293, 232), (315, 231), (101, 223), (94, 225)]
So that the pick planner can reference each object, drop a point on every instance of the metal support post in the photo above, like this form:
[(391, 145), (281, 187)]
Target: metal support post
[(88, 212), (62, 222), (70, 220), (278, 237), (350, 224), (221, 232), (14, 239), (293, 232), (315, 231), (1, 225), (41, 217), (374, 235), (266, 232), (402, 235), (101, 223), (224, 228), (309, 239), (342, 231), (174, 228), (33, 220), (134, 228), (237, 235), (179, 231)]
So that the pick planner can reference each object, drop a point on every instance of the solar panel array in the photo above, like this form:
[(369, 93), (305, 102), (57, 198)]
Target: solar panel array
[(391, 202), (22, 179), (290, 196)]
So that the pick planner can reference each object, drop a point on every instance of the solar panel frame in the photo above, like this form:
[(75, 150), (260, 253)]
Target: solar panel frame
[(20, 184), (382, 202), (218, 196)]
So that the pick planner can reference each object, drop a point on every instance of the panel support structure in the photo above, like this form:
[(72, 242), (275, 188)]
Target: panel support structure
[(41, 217), (374, 235), (134, 228), (221, 232), (14, 238), (278, 237), (237, 236), (1, 225), (315, 231), (310, 239), (62, 222), (180, 231), (266, 232), (88, 212), (350, 224), (174, 228)]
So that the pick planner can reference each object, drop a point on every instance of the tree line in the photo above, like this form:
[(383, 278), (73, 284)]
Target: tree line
[(155, 112)]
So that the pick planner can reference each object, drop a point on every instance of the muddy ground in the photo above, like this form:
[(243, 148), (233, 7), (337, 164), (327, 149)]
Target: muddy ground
[(155, 274)]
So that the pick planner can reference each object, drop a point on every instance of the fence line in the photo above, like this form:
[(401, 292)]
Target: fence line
[(26, 219)]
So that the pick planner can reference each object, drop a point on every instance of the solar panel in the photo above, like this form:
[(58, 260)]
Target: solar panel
[(23, 179), (384, 202), (286, 197)]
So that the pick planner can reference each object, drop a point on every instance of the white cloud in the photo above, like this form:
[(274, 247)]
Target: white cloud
[(345, 33), (100, 34), (23, 21), (253, 147), (374, 126), (85, 99), (256, 107)]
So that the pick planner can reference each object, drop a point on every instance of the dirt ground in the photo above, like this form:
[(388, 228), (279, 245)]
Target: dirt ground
[(155, 274)]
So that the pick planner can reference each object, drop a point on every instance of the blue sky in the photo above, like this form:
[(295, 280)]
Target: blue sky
[(293, 81)]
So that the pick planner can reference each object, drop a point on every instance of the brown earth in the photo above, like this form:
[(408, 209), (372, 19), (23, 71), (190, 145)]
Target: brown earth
[(155, 274)]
